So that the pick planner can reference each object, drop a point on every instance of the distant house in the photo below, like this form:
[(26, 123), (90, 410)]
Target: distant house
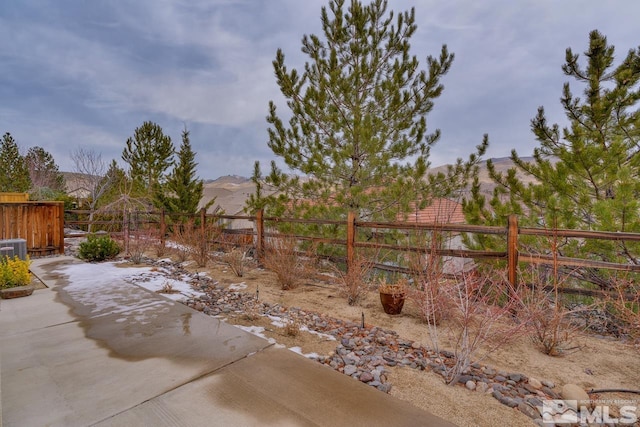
[(442, 211)]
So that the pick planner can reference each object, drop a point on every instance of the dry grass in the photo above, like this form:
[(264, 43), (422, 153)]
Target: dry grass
[(292, 328)]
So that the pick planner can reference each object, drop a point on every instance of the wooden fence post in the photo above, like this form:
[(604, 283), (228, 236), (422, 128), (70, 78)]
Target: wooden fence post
[(512, 250), (351, 239), (259, 234), (163, 227)]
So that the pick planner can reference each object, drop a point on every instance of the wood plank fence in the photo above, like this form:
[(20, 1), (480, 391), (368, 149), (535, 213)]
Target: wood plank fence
[(41, 224), (267, 227)]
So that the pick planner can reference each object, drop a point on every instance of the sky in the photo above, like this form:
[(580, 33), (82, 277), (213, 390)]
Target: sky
[(86, 73)]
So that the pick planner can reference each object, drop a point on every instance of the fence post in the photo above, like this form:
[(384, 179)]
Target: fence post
[(259, 234), (163, 227), (61, 228), (512, 250), (351, 239)]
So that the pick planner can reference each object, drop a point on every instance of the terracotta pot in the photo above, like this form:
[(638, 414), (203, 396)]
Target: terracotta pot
[(392, 303), (16, 292)]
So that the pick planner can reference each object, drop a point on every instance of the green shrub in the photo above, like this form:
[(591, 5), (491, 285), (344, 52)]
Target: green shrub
[(98, 248), (14, 272)]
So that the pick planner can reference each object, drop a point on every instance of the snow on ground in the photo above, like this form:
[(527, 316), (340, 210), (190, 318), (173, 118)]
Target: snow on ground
[(108, 289)]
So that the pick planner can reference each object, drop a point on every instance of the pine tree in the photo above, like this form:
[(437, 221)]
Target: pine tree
[(183, 190), (587, 174), (149, 153), (15, 175), (358, 129), (46, 178)]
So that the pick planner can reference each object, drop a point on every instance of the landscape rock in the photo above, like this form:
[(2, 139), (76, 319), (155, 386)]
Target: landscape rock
[(535, 383), (572, 392)]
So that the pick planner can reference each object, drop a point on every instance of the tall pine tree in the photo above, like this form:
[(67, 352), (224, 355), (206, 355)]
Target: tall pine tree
[(46, 179), (358, 128), (587, 174), (183, 190), (15, 174), (149, 153)]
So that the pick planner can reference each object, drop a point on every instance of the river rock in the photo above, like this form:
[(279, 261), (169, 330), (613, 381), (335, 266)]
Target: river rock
[(535, 383)]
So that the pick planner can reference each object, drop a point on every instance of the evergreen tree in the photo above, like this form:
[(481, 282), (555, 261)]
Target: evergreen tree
[(587, 174), (46, 178), (183, 190), (15, 174), (149, 153), (358, 129)]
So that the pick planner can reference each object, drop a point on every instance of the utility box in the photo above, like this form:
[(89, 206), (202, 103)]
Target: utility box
[(13, 247)]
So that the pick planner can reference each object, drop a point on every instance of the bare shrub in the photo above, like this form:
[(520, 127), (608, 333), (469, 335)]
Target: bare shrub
[(140, 242), (182, 233), (552, 329), (480, 321), (624, 305), (292, 328), (354, 283), (236, 259), (252, 310), (160, 247), (192, 241), (167, 288), (282, 257)]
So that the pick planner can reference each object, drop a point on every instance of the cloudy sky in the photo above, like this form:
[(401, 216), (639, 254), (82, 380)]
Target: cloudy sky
[(86, 73)]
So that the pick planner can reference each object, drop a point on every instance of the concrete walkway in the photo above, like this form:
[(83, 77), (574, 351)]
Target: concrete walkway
[(160, 363)]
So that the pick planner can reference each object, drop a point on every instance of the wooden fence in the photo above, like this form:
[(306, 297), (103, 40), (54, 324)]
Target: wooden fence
[(41, 224), (266, 227)]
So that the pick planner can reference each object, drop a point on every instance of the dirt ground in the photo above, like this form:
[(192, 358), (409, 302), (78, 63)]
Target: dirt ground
[(595, 363)]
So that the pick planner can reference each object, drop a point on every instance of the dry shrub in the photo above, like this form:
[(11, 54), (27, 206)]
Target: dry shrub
[(480, 320), (140, 242), (192, 241), (181, 236), (353, 283), (552, 328), (282, 257), (624, 305), (236, 259), (252, 310), (292, 328), (167, 288), (428, 291), (160, 247)]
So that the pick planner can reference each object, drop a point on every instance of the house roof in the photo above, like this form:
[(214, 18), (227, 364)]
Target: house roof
[(441, 210)]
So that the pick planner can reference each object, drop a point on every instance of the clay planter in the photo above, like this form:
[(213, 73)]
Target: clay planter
[(392, 303), (16, 292)]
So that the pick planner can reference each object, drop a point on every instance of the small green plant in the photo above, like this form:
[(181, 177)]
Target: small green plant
[(14, 272), (98, 248)]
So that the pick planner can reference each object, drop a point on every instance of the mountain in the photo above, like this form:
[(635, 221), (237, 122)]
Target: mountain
[(230, 191)]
